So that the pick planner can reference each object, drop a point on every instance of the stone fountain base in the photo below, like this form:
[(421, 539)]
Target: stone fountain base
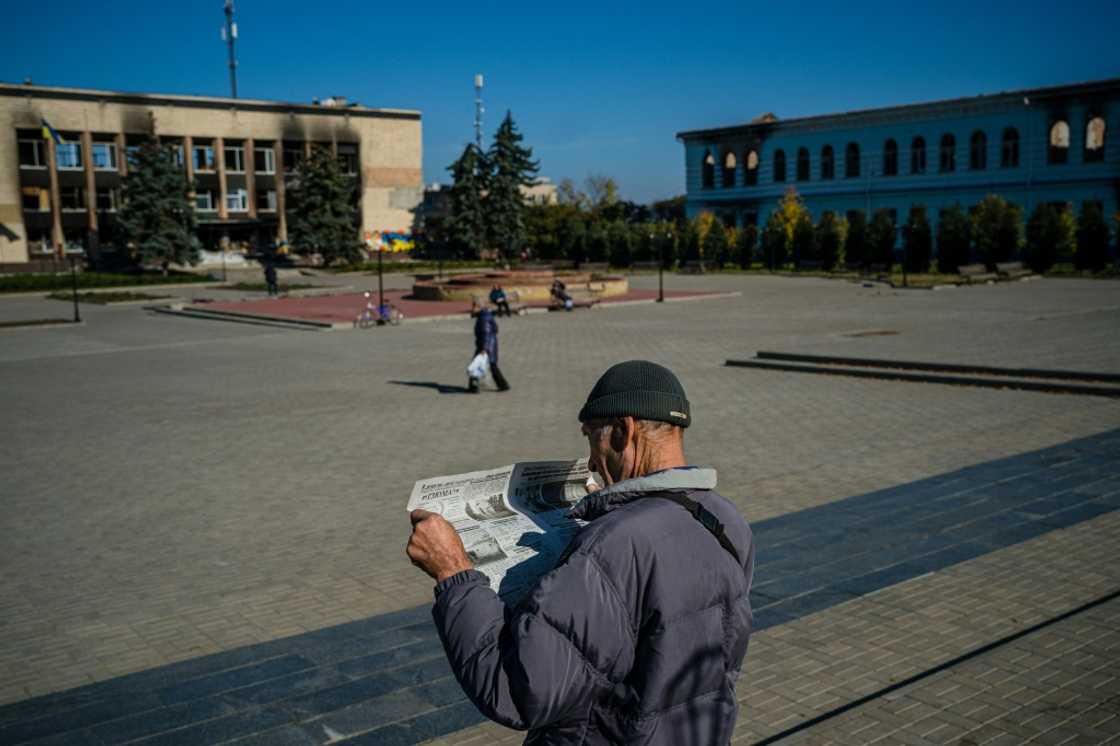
[(521, 286)]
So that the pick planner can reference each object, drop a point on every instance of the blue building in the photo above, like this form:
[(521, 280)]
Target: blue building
[(1056, 145)]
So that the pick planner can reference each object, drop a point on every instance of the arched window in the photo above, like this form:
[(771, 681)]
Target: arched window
[(1094, 140), (948, 160), (779, 165), (978, 151), (890, 158), (728, 175), (828, 168), (918, 156), (708, 171), (1009, 150), (802, 164), (750, 171), (851, 161), (1059, 142)]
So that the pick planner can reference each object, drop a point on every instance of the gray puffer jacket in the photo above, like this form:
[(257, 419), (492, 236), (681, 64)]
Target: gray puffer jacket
[(635, 637)]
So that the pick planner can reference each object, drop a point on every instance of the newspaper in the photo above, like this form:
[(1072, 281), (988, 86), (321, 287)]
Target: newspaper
[(513, 520)]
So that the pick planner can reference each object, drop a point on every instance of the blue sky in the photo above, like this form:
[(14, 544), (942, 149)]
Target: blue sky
[(594, 87)]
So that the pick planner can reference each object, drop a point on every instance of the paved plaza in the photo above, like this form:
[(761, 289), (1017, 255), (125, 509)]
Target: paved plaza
[(204, 521)]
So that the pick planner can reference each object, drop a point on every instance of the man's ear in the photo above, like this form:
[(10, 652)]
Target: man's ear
[(621, 432)]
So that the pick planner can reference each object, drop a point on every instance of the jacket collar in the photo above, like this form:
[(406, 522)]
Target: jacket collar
[(607, 499)]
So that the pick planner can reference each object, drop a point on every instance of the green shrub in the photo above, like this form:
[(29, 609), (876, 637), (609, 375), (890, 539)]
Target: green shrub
[(1051, 233), (828, 240), (954, 239), (1092, 238), (620, 246), (716, 244), (746, 246), (774, 241), (881, 238), (32, 282), (690, 243), (997, 230), (804, 242), (917, 237), (855, 247)]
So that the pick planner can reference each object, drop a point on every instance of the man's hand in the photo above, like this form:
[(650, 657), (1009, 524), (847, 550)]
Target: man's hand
[(435, 547)]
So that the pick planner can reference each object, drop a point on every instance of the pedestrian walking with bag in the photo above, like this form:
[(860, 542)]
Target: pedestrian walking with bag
[(486, 343)]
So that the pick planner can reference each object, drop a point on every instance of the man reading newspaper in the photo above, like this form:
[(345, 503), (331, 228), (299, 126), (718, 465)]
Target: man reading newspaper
[(638, 632)]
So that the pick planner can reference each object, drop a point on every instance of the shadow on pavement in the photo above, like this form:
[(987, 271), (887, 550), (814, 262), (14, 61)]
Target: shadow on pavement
[(440, 387)]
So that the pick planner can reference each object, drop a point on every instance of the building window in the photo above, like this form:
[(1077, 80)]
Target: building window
[(828, 167), (727, 177), (202, 156), (751, 173), (851, 161), (36, 199), (978, 151), (948, 160), (802, 164), (72, 199), (890, 158), (779, 165), (1059, 142), (204, 201), (1009, 150), (918, 156), (264, 160), (235, 159), (708, 171), (266, 200), (348, 158), (293, 157), (32, 154), (237, 200), (1094, 140), (104, 156), (107, 199), (69, 156)]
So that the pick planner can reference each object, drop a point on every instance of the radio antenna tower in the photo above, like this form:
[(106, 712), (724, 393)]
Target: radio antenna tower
[(478, 111), (229, 36)]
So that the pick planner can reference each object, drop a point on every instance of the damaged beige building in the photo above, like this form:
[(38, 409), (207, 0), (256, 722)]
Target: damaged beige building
[(238, 152)]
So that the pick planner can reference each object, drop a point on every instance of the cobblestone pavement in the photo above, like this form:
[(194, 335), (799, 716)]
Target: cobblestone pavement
[(179, 487)]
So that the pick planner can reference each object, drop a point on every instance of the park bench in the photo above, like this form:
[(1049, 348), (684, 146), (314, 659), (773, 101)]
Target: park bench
[(692, 268), (594, 266), (562, 265), (1012, 270), (513, 297), (809, 265), (644, 266), (971, 273)]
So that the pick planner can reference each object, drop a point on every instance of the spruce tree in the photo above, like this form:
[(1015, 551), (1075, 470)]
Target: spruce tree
[(881, 238), (621, 245), (1092, 238), (716, 245), (322, 209), (855, 247), (512, 167), (746, 245), (775, 241), (1050, 234), (804, 240), (469, 177), (156, 221), (690, 243), (954, 239), (996, 230), (918, 238), (828, 240)]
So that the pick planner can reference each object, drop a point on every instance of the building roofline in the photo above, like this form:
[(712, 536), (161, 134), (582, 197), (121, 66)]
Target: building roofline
[(201, 102), (1044, 92)]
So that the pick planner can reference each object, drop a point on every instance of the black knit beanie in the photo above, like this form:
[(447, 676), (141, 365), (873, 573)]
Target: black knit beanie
[(639, 389)]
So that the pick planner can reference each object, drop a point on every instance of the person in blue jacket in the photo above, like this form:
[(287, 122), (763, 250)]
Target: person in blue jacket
[(486, 340), (638, 634)]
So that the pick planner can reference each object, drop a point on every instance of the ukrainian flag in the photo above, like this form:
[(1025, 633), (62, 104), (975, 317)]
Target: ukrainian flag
[(50, 133)]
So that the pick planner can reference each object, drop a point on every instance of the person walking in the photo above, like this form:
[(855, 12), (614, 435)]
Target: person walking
[(486, 340), (270, 276), (638, 634)]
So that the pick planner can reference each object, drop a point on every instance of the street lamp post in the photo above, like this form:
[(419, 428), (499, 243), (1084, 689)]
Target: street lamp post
[(74, 286), (380, 285)]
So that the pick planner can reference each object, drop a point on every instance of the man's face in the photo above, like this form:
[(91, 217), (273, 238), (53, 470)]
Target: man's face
[(607, 447)]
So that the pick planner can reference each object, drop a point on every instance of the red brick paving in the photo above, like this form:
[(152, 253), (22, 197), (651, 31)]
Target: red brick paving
[(343, 308)]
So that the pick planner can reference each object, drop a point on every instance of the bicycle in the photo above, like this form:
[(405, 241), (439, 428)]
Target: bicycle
[(373, 315)]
